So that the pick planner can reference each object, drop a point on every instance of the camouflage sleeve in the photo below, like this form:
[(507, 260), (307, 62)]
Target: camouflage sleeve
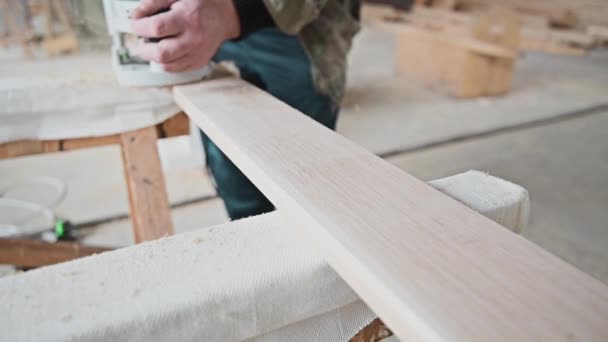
[(291, 16)]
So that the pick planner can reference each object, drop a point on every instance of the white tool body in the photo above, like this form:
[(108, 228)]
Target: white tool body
[(131, 70)]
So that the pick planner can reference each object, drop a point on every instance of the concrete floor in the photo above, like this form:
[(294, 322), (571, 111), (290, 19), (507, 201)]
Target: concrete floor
[(563, 165), (545, 135)]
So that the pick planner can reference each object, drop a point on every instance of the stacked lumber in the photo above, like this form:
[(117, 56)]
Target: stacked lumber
[(56, 43), (20, 31), (549, 26), (465, 63), (538, 33), (580, 13)]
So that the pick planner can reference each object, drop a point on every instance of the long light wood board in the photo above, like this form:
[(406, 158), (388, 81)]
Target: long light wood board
[(431, 268)]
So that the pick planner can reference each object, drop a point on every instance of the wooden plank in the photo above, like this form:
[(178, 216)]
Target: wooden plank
[(431, 268), (31, 253), (552, 47), (149, 203)]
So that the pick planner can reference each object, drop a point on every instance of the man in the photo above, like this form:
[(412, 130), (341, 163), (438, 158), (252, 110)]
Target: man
[(294, 49)]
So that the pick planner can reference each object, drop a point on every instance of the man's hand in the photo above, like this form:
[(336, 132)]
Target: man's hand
[(192, 31)]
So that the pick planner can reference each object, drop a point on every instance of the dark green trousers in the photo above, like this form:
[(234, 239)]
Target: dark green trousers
[(276, 63)]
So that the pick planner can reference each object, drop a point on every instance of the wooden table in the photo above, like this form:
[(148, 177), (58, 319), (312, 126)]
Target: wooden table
[(148, 200)]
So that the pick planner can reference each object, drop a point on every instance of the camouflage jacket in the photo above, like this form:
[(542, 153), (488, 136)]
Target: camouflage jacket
[(326, 29)]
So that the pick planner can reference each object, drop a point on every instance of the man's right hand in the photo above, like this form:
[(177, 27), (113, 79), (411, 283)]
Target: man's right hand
[(191, 31)]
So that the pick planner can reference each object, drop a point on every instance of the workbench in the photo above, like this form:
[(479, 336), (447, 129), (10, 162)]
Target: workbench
[(56, 105)]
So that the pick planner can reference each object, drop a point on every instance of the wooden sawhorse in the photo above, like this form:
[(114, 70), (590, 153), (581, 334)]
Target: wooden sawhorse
[(149, 204)]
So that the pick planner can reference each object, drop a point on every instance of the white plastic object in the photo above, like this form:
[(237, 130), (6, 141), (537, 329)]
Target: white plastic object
[(118, 13)]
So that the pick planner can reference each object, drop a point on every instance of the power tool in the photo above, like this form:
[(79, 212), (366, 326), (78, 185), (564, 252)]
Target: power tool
[(130, 69)]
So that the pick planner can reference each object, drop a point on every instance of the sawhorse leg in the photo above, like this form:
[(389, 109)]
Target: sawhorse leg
[(149, 203), (374, 332)]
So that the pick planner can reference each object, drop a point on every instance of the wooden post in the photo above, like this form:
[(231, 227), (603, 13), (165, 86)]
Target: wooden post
[(502, 27), (148, 198)]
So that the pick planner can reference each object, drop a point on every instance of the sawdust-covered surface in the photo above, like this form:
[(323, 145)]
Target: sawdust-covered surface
[(72, 97)]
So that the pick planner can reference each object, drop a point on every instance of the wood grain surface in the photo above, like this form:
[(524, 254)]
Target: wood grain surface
[(431, 268), (148, 199)]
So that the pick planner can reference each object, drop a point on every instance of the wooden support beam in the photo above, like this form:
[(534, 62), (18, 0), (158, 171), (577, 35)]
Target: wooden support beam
[(32, 253), (26, 147), (175, 126), (534, 36), (431, 268), (148, 200)]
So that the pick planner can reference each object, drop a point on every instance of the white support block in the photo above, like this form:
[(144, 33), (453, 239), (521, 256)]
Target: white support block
[(250, 279), (505, 203)]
